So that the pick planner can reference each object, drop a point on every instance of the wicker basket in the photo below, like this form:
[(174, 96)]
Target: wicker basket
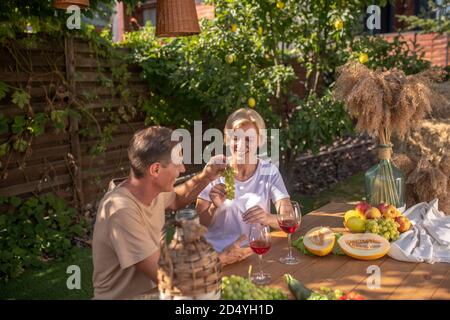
[(176, 18), (189, 268), (64, 4)]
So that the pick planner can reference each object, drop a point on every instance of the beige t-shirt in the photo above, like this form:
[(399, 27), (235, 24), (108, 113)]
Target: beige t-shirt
[(126, 232)]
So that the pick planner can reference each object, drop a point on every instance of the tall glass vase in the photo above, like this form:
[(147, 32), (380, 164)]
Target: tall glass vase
[(385, 183)]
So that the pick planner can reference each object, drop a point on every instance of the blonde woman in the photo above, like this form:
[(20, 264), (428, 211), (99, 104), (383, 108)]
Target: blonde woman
[(258, 183)]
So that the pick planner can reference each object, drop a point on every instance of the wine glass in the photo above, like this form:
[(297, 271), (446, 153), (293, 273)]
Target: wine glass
[(289, 217), (260, 242)]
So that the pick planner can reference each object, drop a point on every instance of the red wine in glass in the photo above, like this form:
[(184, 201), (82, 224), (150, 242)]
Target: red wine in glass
[(260, 242), (260, 246), (289, 217), (289, 225)]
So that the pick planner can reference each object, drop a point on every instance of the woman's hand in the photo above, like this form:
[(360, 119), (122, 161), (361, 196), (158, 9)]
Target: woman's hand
[(257, 214), (218, 195), (234, 253)]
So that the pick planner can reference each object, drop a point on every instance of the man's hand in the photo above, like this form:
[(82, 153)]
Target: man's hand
[(218, 195), (215, 166), (187, 192), (257, 214), (234, 253)]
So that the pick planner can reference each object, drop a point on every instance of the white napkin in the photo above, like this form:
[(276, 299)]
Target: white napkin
[(429, 237)]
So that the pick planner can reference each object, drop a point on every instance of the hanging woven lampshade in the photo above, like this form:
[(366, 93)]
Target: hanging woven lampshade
[(64, 4), (176, 18)]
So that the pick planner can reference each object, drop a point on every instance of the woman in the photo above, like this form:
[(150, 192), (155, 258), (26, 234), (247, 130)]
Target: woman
[(258, 183)]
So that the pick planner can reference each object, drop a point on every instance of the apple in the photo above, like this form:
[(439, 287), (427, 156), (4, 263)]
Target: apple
[(388, 211), (373, 213), (404, 223), (363, 207), (382, 206)]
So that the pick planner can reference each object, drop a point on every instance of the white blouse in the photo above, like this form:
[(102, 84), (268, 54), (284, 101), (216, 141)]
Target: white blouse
[(264, 186)]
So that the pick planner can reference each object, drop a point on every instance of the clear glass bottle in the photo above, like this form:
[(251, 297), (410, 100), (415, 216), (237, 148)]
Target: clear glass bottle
[(385, 183)]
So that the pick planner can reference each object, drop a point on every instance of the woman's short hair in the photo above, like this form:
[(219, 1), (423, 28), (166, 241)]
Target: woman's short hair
[(245, 116)]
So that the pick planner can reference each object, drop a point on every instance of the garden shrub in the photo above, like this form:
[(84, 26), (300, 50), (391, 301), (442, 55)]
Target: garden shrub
[(35, 230)]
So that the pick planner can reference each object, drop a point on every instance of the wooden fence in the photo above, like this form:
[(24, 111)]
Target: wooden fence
[(61, 162)]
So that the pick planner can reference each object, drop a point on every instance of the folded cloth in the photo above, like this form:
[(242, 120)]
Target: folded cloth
[(428, 240)]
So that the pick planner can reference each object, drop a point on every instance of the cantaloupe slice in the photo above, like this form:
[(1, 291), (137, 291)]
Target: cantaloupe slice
[(364, 246), (319, 241)]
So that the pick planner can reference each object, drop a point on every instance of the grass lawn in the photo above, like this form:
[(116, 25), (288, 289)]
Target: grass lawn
[(351, 189), (50, 282)]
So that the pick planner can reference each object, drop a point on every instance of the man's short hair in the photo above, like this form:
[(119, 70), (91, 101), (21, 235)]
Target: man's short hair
[(149, 146)]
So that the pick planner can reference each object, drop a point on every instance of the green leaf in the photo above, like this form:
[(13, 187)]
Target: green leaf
[(21, 98), (3, 90), (18, 125), (37, 126), (337, 249), (58, 118), (15, 201), (74, 114), (301, 247), (4, 149), (20, 145)]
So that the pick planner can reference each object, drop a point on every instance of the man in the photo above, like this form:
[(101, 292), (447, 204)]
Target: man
[(130, 217)]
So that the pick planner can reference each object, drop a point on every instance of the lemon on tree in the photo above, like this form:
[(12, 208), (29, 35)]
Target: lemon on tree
[(338, 24), (234, 27), (260, 30), (230, 58), (280, 4), (251, 102), (363, 58)]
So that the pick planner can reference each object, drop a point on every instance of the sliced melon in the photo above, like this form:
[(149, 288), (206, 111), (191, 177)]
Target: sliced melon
[(364, 246), (319, 241)]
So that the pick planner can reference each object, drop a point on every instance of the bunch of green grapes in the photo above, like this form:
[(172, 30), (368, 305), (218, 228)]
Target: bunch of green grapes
[(239, 288), (386, 228), (229, 175), (372, 226)]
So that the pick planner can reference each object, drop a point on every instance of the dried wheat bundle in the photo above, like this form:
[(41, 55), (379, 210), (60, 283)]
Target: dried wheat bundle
[(444, 204), (428, 181), (404, 163), (445, 165), (411, 198), (433, 74), (386, 101)]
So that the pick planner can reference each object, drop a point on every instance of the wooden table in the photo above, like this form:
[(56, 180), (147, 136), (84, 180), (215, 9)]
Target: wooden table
[(399, 280)]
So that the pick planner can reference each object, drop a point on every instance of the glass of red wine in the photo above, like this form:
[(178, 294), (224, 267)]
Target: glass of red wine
[(260, 242), (289, 217)]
